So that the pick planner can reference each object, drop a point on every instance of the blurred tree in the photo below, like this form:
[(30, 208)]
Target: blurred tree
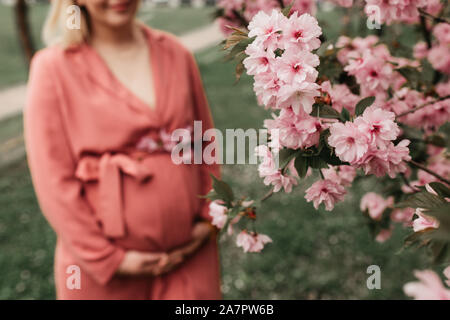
[(23, 27)]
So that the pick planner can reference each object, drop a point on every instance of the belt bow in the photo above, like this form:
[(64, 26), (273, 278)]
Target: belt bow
[(107, 170)]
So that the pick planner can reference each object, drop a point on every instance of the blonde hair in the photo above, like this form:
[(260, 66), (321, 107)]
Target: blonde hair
[(56, 30)]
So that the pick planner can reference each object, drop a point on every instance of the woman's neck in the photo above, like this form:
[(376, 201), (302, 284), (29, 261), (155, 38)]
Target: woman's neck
[(124, 36)]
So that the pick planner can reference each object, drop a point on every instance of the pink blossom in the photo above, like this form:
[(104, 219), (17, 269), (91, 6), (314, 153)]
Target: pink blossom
[(383, 235), (389, 160), (325, 191), (429, 287), (404, 216), (302, 32), (353, 48), (424, 222), (267, 87), (341, 96), (343, 175), (295, 67), (298, 96), (375, 205), (258, 60), (252, 242), (267, 28), (272, 174), (219, 213), (420, 50), (447, 275), (394, 10), (442, 33), (350, 144), (439, 57), (379, 125), (295, 131), (371, 70)]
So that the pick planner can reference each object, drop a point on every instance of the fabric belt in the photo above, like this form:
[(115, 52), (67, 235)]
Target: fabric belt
[(107, 169)]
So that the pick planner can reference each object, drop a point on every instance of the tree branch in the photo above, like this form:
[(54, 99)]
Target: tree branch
[(281, 2), (426, 34), (241, 18), (421, 167), (425, 14), (267, 195), (422, 106)]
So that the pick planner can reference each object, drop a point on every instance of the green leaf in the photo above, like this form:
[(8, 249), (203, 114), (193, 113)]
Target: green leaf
[(437, 140), (317, 163), (412, 75), (223, 190), (301, 165), (285, 156), (345, 115), (363, 104), (440, 189), (324, 111), (423, 200)]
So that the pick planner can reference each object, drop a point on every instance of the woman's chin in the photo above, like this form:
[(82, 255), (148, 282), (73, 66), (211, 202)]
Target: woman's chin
[(118, 21)]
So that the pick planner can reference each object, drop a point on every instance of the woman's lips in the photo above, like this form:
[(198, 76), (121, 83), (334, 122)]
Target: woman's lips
[(120, 7)]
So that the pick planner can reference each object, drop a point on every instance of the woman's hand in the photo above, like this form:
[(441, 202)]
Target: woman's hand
[(201, 232), (136, 263)]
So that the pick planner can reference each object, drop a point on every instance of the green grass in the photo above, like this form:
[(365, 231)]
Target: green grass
[(10, 128), (13, 68), (315, 254)]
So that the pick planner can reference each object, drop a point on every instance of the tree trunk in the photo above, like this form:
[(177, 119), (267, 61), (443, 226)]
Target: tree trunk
[(26, 41)]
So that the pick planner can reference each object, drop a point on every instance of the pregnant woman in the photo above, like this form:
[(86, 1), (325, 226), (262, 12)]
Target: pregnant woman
[(102, 101)]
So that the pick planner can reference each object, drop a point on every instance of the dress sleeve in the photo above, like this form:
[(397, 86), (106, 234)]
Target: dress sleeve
[(52, 166), (202, 113)]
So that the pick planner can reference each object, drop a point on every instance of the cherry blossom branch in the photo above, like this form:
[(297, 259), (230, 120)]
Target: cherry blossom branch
[(425, 32), (281, 4), (241, 18), (267, 195), (422, 106), (425, 14), (421, 167), (407, 183)]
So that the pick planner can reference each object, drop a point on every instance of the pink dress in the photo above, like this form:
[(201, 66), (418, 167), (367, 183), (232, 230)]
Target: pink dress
[(99, 192)]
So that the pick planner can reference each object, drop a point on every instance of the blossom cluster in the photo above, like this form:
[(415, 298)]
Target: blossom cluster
[(237, 12), (249, 241), (284, 69), (409, 100), (439, 53), (388, 11), (367, 143)]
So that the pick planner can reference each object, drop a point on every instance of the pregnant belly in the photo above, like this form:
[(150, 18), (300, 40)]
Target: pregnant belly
[(158, 213)]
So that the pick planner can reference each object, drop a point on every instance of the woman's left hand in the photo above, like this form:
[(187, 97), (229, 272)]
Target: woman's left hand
[(201, 232)]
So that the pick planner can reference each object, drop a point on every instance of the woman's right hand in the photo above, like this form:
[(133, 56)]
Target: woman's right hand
[(136, 263)]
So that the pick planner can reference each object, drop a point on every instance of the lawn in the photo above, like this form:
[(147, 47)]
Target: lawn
[(12, 66), (315, 254)]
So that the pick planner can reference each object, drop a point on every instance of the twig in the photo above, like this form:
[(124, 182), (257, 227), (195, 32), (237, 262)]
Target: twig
[(425, 32), (422, 106), (406, 181), (425, 14), (421, 167), (267, 195), (281, 4), (241, 18)]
